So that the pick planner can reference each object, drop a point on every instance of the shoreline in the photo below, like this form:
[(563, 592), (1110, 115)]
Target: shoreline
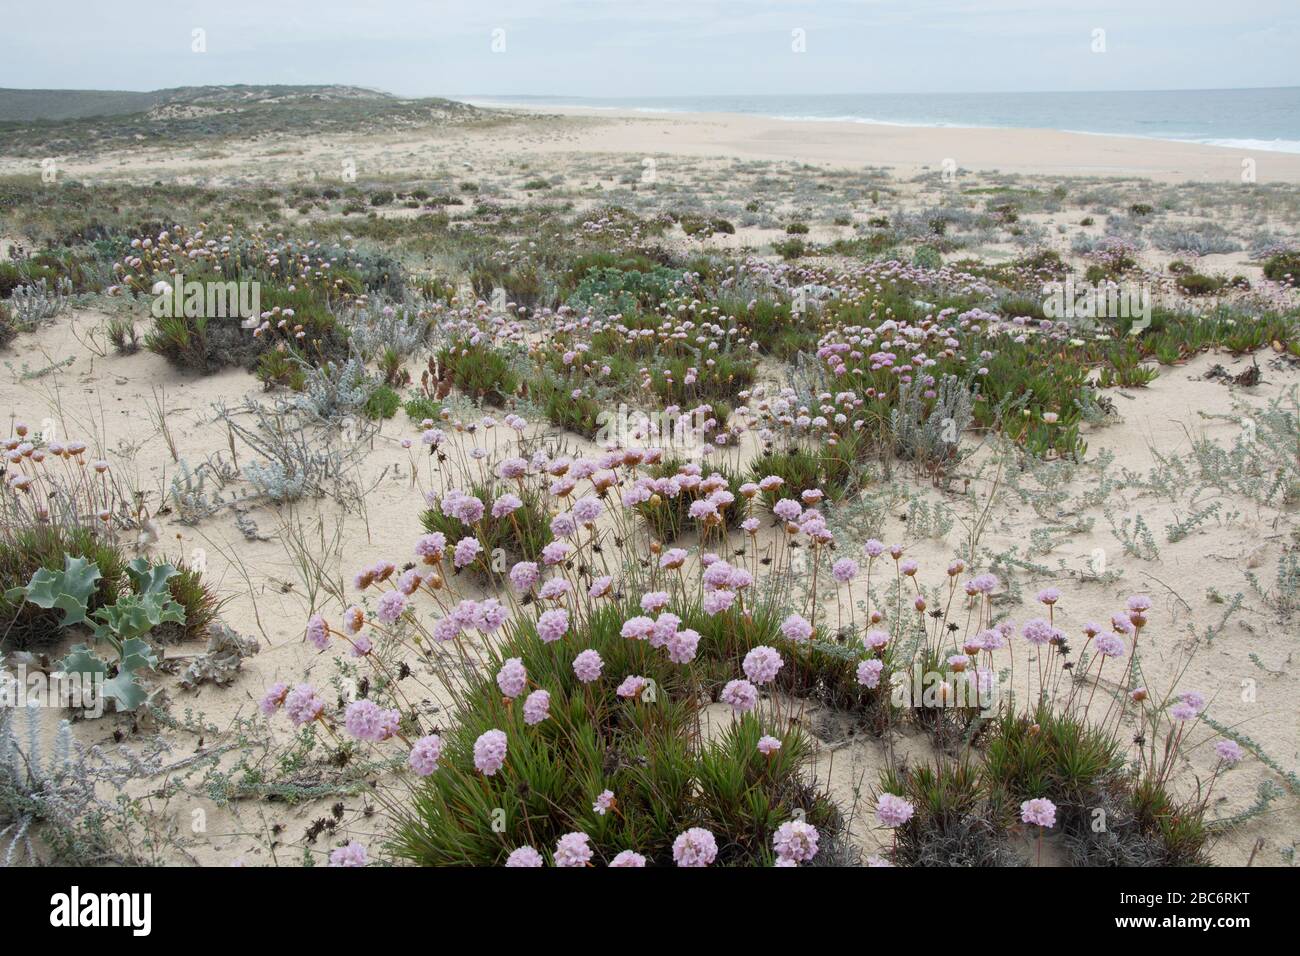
[(912, 149)]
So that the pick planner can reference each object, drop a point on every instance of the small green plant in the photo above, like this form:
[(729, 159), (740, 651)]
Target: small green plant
[(122, 625), (382, 403)]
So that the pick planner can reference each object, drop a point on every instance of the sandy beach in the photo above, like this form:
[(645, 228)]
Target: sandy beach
[(910, 150)]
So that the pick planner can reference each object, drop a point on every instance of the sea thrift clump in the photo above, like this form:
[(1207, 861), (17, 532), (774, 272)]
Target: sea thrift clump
[(695, 848), (490, 752)]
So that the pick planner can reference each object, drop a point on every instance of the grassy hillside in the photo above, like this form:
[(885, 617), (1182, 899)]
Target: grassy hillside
[(58, 122)]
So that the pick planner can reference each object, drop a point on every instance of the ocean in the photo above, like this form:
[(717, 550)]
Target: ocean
[(1258, 119)]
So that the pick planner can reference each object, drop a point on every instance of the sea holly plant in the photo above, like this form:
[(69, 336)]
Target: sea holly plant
[(122, 625), (69, 590)]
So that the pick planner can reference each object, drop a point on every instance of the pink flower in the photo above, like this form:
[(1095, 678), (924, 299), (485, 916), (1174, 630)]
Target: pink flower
[(654, 602), (506, 504), (761, 664), (554, 589), (391, 606), (795, 840), (638, 628), (628, 858), (741, 695), (695, 848), (603, 802), (893, 811), (490, 752), (537, 707), (573, 849), (1183, 711), (554, 553), (787, 509), (467, 550), (632, 686), (318, 632), (844, 570), (354, 854), (715, 602), (869, 672), (274, 698), (768, 745), (512, 677), (587, 666), (1049, 596), (1110, 645), (366, 720), (672, 558), (601, 586), (522, 857), (524, 575), (425, 755), (796, 629), (1037, 632), (353, 620), (682, 646), (1039, 811), (431, 546), (552, 625), (1229, 752), (302, 705)]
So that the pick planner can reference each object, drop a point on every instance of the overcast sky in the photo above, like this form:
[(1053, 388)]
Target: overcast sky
[(655, 47)]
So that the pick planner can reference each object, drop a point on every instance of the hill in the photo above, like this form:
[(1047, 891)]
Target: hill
[(59, 122)]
